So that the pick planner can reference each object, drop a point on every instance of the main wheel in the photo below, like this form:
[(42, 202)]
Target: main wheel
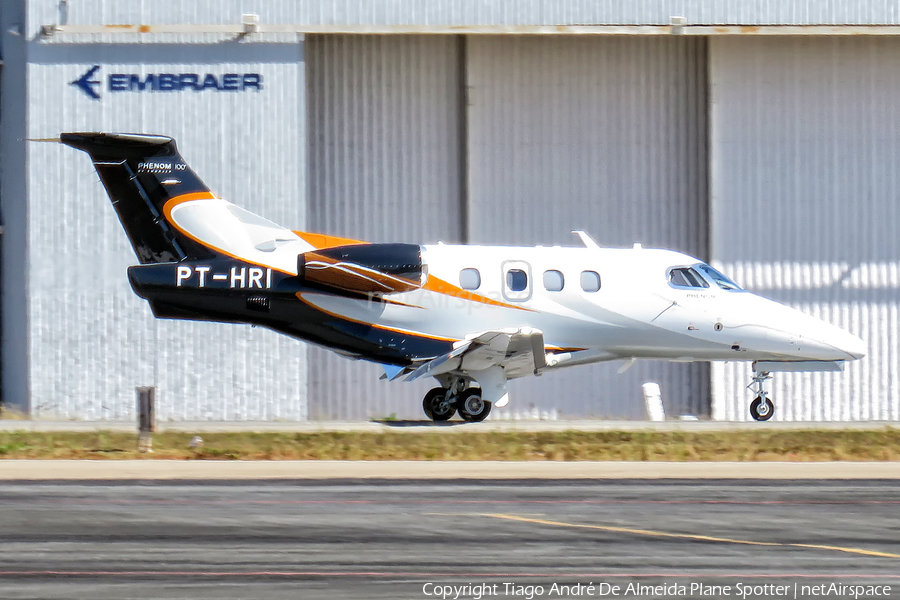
[(762, 411), (472, 407), (436, 405)]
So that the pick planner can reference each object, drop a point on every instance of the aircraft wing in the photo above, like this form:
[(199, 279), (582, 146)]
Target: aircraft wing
[(517, 352)]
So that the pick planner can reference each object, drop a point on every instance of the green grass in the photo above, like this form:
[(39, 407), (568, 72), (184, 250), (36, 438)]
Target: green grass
[(763, 445)]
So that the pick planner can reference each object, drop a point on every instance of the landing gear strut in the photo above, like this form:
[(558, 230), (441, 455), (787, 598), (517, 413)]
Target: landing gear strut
[(761, 409)]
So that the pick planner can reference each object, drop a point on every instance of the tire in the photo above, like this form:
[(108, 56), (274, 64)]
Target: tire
[(436, 406), (471, 407), (760, 411)]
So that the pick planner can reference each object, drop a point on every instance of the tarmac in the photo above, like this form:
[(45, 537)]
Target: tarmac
[(199, 470), (458, 538)]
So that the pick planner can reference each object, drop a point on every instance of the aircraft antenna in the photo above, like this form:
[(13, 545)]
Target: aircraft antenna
[(586, 239)]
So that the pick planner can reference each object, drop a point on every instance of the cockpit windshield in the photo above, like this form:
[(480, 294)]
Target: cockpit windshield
[(719, 279), (686, 277)]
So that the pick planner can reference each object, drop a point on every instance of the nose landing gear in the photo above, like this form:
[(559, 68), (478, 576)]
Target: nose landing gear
[(761, 409)]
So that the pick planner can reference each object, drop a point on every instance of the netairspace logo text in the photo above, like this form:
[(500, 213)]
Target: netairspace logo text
[(478, 591)]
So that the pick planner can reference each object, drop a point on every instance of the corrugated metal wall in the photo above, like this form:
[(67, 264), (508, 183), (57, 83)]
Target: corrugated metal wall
[(91, 340), (806, 148), (471, 12), (603, 134), (384, 165)]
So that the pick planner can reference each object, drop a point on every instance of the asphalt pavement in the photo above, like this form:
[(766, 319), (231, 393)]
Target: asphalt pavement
[(419, 539)]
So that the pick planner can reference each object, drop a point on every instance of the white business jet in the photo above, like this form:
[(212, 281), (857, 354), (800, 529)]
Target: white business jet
[(472, 317)]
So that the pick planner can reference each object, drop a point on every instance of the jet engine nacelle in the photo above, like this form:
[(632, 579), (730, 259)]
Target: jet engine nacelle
[(364, 268)]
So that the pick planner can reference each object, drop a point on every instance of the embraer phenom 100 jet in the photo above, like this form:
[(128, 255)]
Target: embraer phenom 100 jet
[(472, 317)]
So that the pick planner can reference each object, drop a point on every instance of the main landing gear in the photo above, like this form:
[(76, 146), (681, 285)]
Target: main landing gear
[(441, 403), (761, 408)]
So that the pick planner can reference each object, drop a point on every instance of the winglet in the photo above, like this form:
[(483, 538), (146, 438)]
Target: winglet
[(586, 239)]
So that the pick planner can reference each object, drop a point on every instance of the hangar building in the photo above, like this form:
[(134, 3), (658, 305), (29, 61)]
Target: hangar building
[(761, 136)]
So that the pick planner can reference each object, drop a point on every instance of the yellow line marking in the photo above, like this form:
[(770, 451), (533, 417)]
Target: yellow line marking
[(689, 536), (471, 514), (851, 550)]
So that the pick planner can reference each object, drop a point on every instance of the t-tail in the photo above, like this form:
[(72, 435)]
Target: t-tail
[(141, 174)]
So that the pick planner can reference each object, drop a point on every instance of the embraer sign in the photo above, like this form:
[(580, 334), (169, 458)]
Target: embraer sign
[(166, 82)]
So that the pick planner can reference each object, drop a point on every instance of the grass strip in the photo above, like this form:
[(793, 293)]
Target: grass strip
[(768, 445)]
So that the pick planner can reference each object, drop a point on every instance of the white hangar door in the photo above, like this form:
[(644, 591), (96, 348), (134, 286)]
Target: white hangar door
[(605, 134), (384, 149), (805, 181)]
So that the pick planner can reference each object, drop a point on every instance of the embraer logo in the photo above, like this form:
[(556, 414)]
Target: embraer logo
[(167, 82), (86, 84)]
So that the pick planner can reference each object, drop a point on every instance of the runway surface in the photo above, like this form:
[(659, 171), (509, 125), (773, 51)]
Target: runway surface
[(437, 469), (446, 427), (402, 538)]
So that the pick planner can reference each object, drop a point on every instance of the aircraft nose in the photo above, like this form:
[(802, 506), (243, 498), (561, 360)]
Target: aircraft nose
[(848, 343), (838, 342), (807, 337)]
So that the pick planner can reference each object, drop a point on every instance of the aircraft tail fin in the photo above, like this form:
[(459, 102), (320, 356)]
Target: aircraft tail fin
[(141, 173)]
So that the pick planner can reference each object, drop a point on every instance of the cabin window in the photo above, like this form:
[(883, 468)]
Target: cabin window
[(686, 277), (469, 279), (553, 281), (590, 281), (516, 280)]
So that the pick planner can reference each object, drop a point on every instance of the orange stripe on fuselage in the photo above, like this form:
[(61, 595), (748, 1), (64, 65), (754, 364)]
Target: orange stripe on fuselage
[(402, 331), (439, 286), (173, 202), (320, 241), (382, 327)]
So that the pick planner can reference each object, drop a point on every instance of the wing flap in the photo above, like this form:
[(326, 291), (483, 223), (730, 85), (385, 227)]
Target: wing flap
[(519, 351)]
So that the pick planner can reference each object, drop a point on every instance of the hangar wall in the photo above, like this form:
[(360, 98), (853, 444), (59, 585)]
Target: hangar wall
[(785, 125), (602, 133), (474, 12), (384, 138), (91, 341), (805, 184), (13, 210)]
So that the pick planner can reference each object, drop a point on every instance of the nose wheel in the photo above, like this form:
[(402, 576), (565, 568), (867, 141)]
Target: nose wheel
[(762, 408)]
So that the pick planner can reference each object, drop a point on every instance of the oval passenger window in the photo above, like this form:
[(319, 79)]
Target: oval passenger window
[(469, 279), (553, 281), (590, 281)]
